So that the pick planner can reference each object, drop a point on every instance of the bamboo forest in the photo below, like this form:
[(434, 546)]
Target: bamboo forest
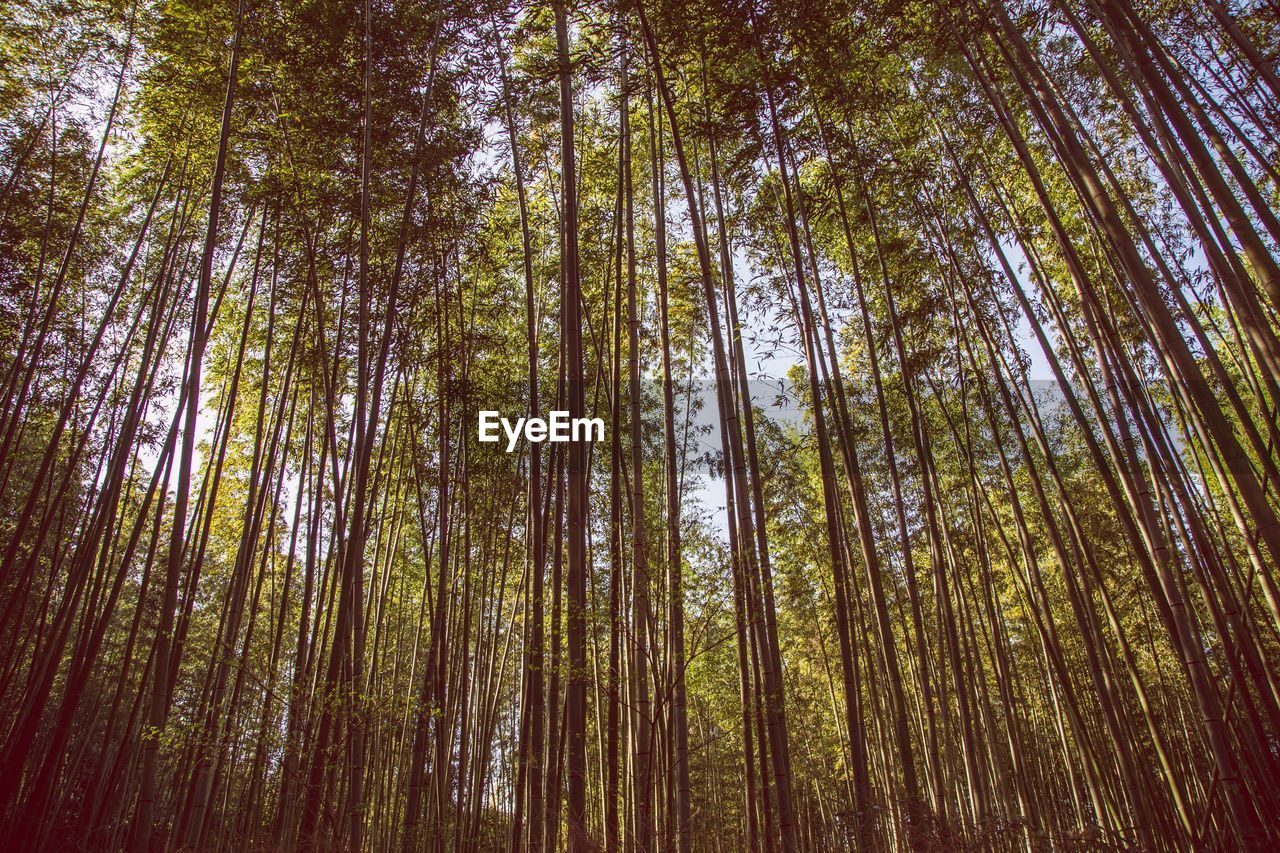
[(639, 425)]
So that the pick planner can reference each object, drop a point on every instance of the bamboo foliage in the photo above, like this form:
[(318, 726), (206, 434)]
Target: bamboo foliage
[(937, 346)]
